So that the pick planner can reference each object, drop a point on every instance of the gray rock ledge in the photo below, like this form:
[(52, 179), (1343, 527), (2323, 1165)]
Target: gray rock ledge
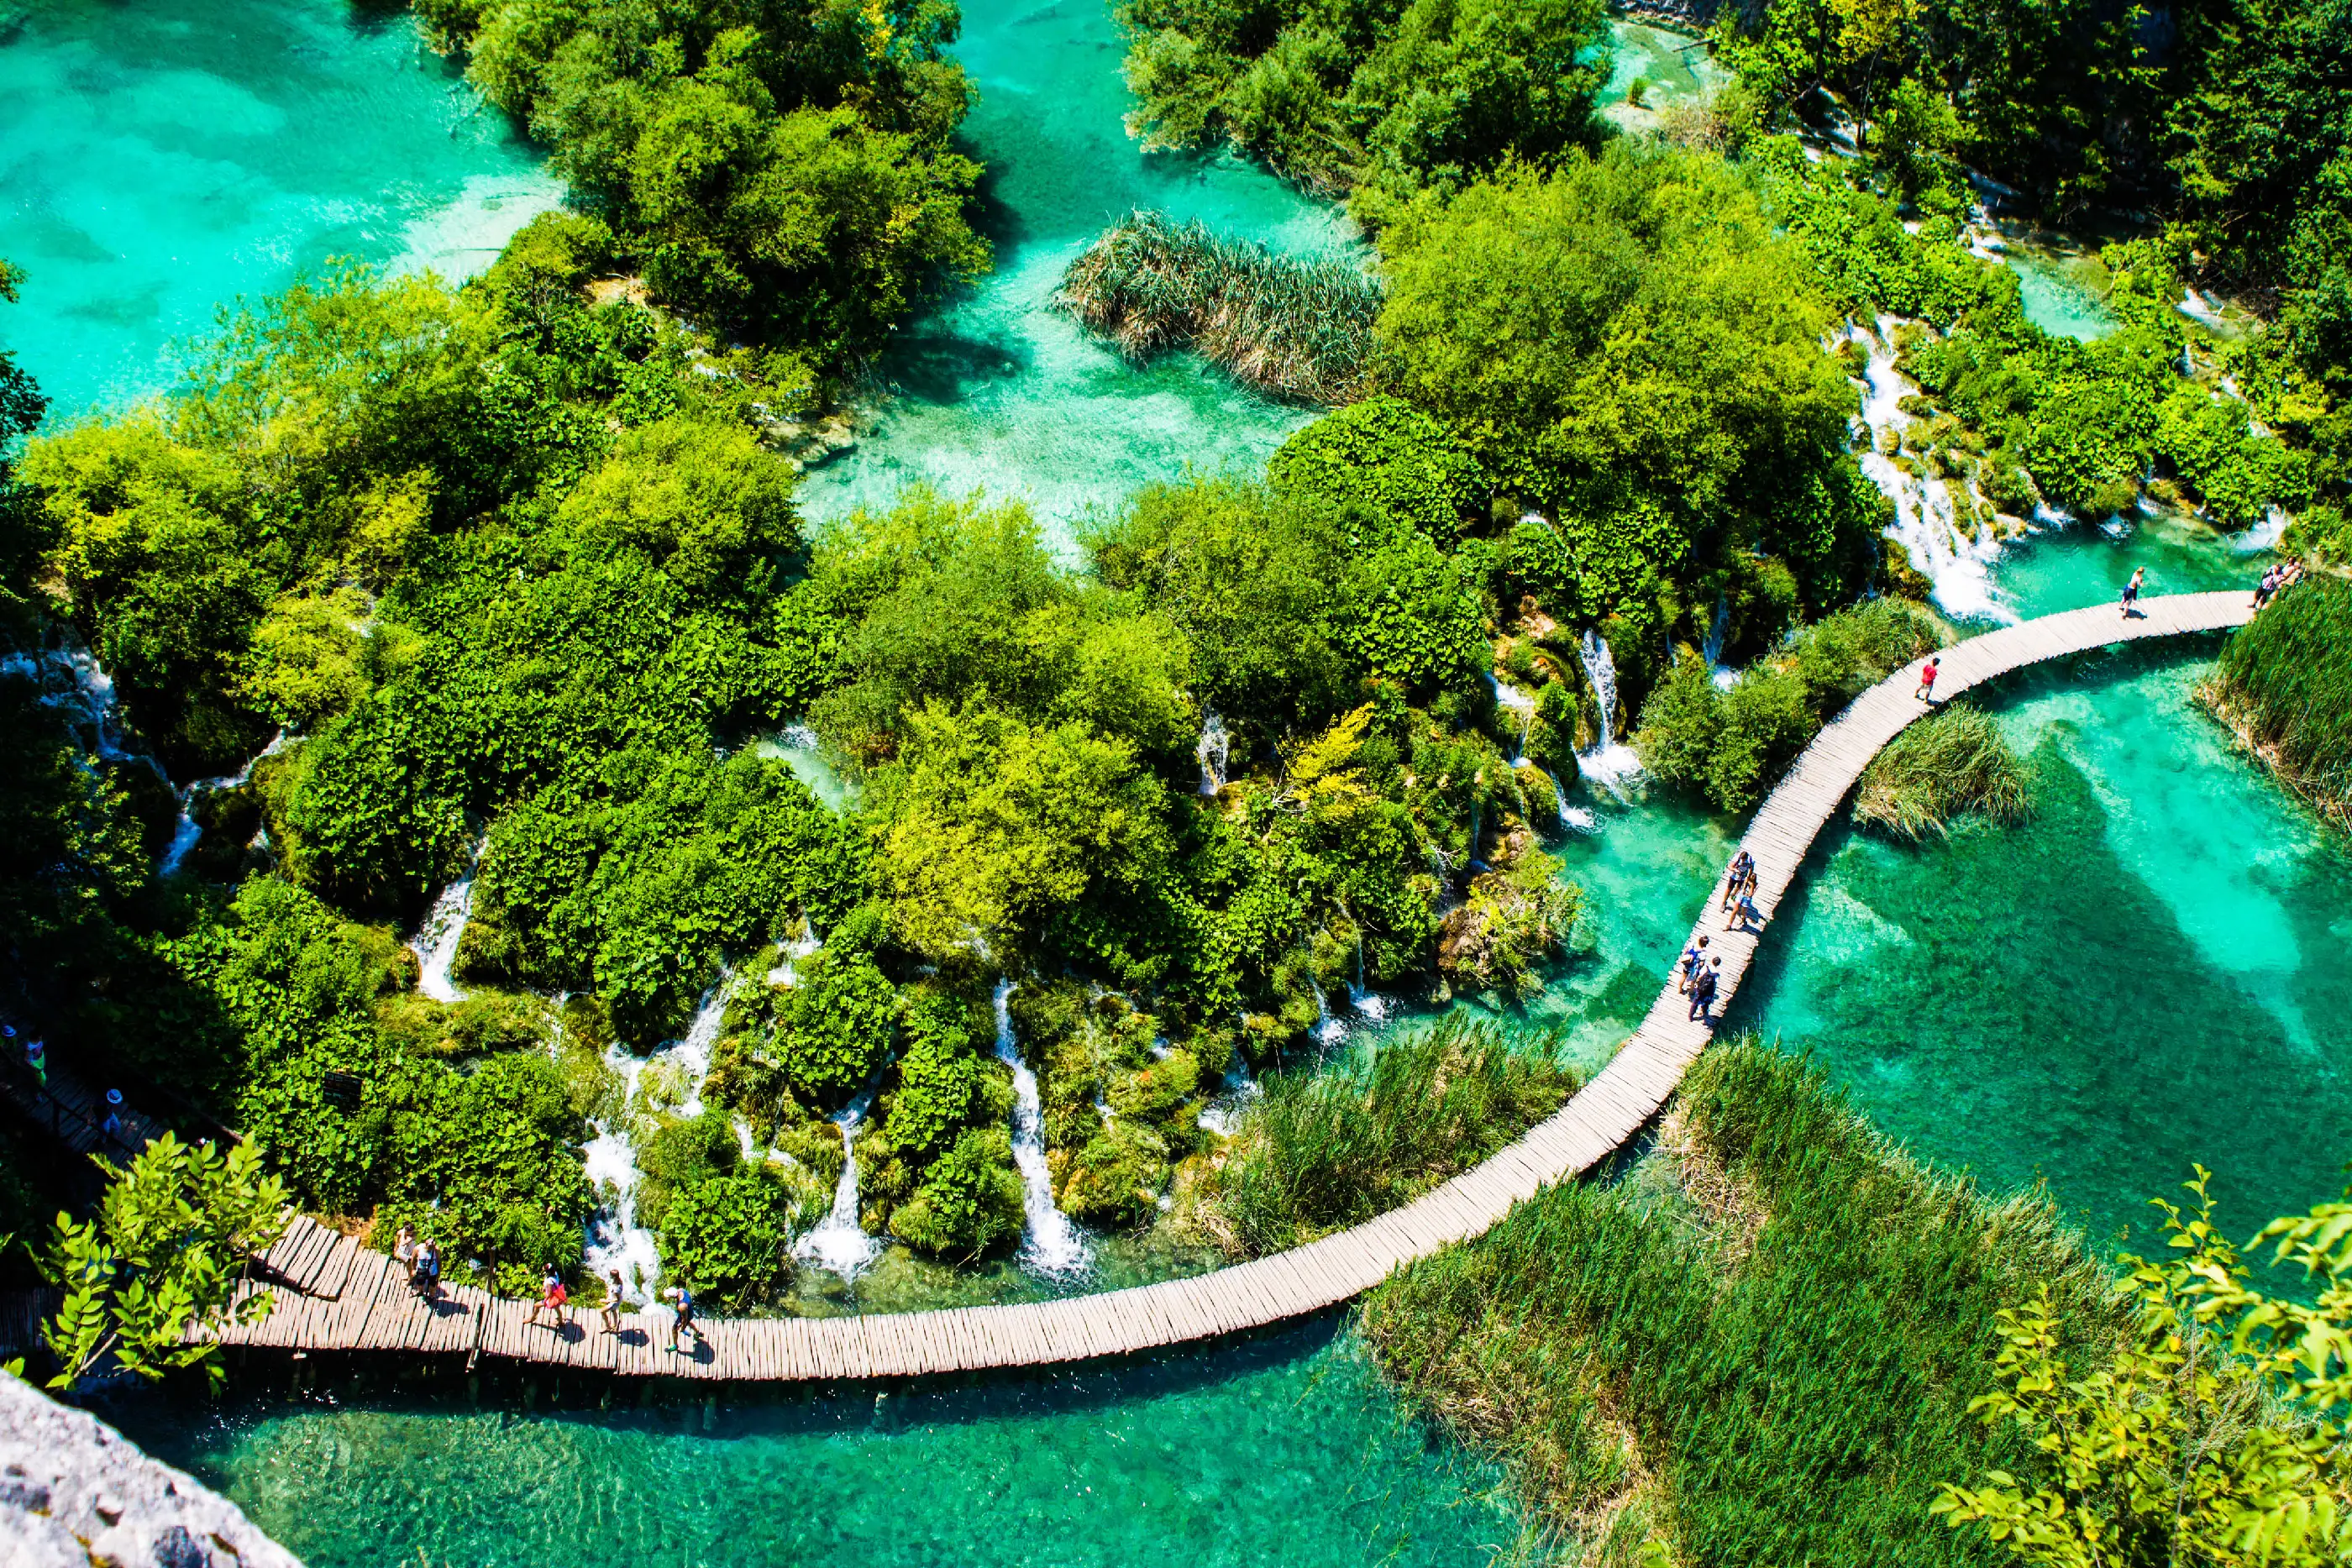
[(74, 1492)]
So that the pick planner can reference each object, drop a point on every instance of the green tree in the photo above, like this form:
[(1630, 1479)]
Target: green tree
[(161, 1261), (2217, 1433)]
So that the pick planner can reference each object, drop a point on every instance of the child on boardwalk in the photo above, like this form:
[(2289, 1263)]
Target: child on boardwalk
[(553, 1301), (613, 1303)]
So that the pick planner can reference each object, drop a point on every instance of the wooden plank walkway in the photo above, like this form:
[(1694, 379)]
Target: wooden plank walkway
[(335, 1295)]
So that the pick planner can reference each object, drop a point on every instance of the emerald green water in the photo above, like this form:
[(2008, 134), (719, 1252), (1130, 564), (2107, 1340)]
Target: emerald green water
[(158, 160), (1286, 1449), (1002, 391), (2150, 973)]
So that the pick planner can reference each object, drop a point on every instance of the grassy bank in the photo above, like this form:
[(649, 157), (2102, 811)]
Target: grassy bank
[(2284, 684), (1947, 765), (1325, 1149), (1760, 1349), (1295, 327)]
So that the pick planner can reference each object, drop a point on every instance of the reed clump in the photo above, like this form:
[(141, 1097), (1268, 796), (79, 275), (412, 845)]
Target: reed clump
[(1327, 1148), (1788, 1383), (2284, 684), (1296, 328), (1952, 763)]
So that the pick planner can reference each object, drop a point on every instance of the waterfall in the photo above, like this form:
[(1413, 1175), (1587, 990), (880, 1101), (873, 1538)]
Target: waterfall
[(1608, 762), (1365, 1001), (1213, 752), (839, 1243), (1725, 676), (1574, 819), (787, 969), (1925, 522), (187, 830), (1328, 1031), (436, 939), (1518, 702), (615, 1240), (1053, 1246)]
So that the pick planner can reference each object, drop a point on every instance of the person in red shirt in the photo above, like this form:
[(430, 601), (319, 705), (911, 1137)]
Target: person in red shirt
[(1927, 691), (551, 1300)]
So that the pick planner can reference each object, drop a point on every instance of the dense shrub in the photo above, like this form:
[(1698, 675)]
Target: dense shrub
[(833, 1025), (728, 1235), (1384, 454), (1954, 763), (2285, 680)]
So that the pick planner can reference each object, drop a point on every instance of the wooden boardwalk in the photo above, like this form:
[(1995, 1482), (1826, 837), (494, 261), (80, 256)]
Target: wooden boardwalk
[(333, 1294)]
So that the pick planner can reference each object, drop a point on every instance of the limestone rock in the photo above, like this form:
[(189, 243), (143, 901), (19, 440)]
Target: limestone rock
[(75, 1492)]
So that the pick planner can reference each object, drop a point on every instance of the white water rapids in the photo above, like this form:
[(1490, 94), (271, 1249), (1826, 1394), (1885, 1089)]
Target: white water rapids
[(615, 1240), (839, 1243), (1609, 763), (1053, 1246)]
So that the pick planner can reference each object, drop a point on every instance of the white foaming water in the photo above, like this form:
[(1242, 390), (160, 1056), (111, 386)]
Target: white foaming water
[(1053, 1246), (1328, 1031), (615, 1240), (2264, 534), (1223, 1114), (1213, 753), (1520, 702), (787, 969), (1607, 763), (187, 830), (1723, 676), (839, 1243), (436, 945), (2194, 305), (1575, 819), (1925, 522), (71, 678), (1367, 1002)]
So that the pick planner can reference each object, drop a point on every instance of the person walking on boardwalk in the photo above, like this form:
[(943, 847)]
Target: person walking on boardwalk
[(1702, 989), (404, 1252), (1927, 691), (1744, 913), (2131, 591), (681, 1322), (113, 1126), (1743, 866), (2267, 586), (614, 1292), (553, 1298), (427, 1277), (1693, 956)]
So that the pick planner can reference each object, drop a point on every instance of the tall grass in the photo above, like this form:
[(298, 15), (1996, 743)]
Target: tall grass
[(1790, 1390), (1327, 1148), (1946, 766), (1296, 327), (2285, 681)]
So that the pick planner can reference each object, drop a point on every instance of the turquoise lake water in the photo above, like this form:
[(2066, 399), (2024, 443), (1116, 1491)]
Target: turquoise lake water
[(157, 161), (1286, 1449)]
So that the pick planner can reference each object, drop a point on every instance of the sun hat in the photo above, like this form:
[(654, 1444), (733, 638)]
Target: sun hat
[(114, 1096)]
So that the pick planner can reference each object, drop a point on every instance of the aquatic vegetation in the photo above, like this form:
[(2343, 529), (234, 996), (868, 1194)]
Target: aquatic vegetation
[(1396, 98), (2284, 683), (1295, 327), (1323, 1149), (1761, 1347), (1731, 744), (1951, 764)]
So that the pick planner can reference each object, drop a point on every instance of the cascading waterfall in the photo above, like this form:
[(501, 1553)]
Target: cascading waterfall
[(1053, 1246), (187, 830), (1717, 629), (1925, 522), (1521, 703), (436, 945), (1575, 819), (788, 962), (72, 678), (1213, 753), (615, 1240), (839, 1243), (1371, 1004), (1608, 762), (1328, 1031)]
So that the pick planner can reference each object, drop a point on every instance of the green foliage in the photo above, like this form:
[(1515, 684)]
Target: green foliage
[(1296, 328), (2285, 680), (1627, 342), (173, 1234), (941, 1086), (1387, 457), (784, 170), (2238, 475), (2214, 1434), (1951, 764), (1765, 1347), (728, 1235), (1731, 745), (1335, 94), (833, 1025), (1324, 1150), (969, 1203)]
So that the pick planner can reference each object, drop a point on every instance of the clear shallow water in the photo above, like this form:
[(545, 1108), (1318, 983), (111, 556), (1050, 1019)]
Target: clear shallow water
[(156, 161), (1002, 391), (2150, 973), (1284, 1450)]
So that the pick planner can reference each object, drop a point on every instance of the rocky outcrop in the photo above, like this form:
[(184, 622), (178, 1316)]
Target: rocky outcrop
[(74, 1492)]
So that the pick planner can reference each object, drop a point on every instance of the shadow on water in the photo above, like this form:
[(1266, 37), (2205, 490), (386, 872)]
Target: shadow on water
[(2146, 974)]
